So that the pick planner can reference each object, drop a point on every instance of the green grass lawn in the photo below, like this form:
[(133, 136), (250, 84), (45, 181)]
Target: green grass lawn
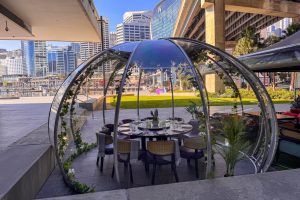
[(129, 102)]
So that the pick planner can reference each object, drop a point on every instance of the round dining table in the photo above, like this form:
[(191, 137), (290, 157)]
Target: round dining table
[(147, 129)]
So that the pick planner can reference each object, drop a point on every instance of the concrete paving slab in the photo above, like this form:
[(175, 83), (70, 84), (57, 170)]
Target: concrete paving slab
[(17, 120), (107, 195), (268, 186), (37, 136)]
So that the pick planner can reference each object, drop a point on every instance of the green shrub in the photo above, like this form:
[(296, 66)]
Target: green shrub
[(245, 93), (280, 94), (183, 91)]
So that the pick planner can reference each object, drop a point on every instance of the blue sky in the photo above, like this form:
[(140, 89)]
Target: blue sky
[(113, 9)]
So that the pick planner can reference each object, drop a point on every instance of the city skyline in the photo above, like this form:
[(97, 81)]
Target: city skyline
[(57, 53), (105, 9)]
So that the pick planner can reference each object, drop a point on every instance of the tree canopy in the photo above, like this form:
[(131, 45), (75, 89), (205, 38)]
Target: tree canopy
[(272, 39), (248, 43), (291, 29), (250, 40)]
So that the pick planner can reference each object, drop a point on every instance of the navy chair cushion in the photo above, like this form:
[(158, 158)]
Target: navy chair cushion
[(160, 160), (109, 149), (190, 153)]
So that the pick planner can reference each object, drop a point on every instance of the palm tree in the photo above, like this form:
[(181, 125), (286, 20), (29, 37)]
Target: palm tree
[(233, 130)]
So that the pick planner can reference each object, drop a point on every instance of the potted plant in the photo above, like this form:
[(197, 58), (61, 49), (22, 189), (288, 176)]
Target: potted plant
[(198, 118), (295, 107), (192, 109), (235, 144), (155, 118)]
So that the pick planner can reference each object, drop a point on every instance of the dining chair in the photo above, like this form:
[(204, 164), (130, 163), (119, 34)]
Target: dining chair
[(157, 153), (193, 148), (179, 119), (108, 128), (147, 118), (126, 121), (105, 147), (124, 150)]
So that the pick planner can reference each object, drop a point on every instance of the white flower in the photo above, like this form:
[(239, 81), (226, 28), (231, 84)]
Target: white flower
[(71, 171)]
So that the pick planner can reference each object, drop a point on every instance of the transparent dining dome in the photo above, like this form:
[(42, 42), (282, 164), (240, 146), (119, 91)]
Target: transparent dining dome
[(206, 101)]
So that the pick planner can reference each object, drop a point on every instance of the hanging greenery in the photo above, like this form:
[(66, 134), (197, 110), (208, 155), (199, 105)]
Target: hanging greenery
[(118, 81), (63, 139)]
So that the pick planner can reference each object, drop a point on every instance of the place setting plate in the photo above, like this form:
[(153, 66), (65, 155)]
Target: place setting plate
[(124, 126)]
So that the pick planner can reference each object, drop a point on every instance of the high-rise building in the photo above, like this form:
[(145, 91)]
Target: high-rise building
[(3, 53), (112, 39), (28, 57), (70, 60), (105, 30), (61, 61), (164, 18), (135, 27), (88, 49), (40, 57), (3, 68), (106, 44), (35, 57), (14, 65), (76, 48), (278, 27), (14, 53)]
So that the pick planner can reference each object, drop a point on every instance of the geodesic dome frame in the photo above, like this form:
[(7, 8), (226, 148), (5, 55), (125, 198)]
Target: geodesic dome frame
[(171, 56)]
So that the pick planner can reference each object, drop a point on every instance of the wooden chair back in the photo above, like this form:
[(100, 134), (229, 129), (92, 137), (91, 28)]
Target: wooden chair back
[(195, 143), (124, 146), (161, 148), (108, 138), (290, 134)]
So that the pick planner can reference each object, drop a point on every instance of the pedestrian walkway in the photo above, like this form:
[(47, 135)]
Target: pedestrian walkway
[(267, 186)]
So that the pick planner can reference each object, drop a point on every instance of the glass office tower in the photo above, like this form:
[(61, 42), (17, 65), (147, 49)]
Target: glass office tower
[(35, 58), (61, 61), (164, 18), (28, 57)]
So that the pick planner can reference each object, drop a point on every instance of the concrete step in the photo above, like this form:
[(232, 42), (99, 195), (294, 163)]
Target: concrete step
[(26, 165), (92, 104)]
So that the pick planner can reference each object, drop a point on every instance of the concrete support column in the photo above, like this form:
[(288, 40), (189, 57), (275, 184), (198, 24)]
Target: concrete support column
[(215, 23), (214, 35)]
